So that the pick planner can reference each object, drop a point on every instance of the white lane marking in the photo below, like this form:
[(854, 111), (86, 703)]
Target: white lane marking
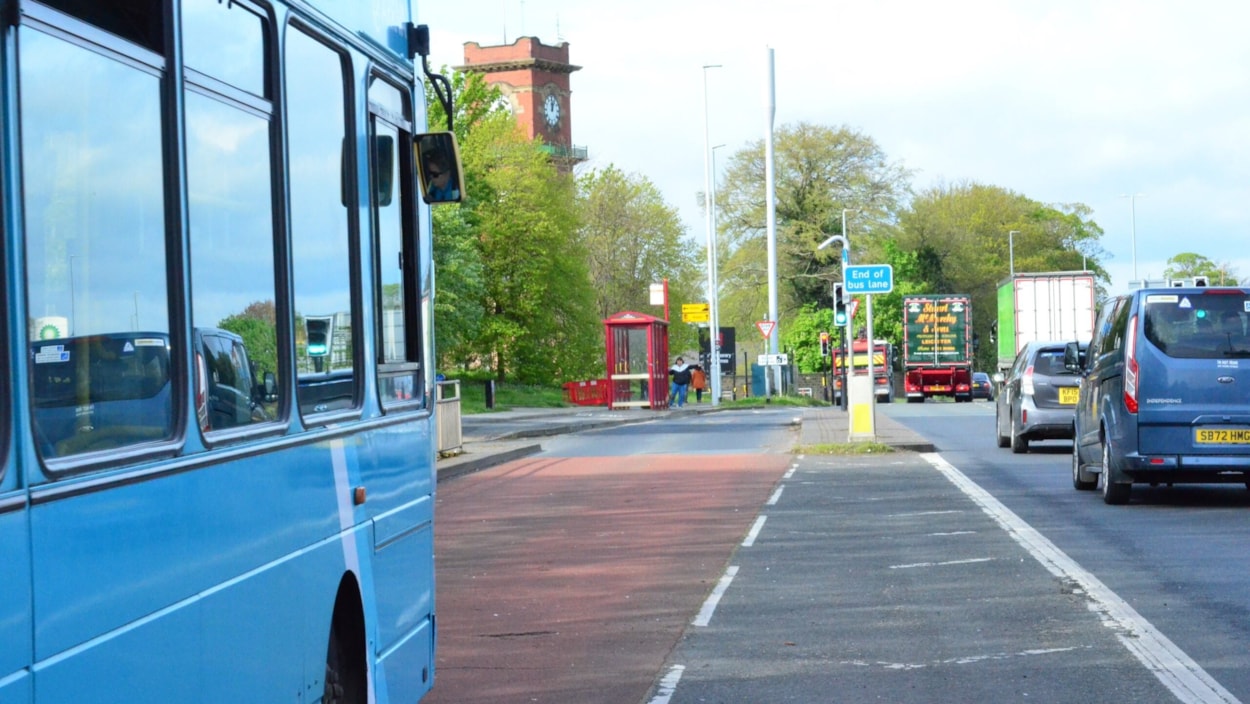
[(772, 500), (954, 532), (913, 565), (755, 532), (790, 473), (704, 616), (962, 660), (922, 513), (1169, 664), (668, 685)]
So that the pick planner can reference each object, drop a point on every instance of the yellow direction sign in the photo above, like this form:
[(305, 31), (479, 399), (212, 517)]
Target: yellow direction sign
[(695, 313)]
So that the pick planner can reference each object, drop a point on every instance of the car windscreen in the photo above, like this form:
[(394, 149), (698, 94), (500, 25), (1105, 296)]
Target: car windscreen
[(1213, 325)]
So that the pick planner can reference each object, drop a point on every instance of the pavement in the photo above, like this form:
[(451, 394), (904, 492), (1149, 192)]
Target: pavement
[(496, 437)]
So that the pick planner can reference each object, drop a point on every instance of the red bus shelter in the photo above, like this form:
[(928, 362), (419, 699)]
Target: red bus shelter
[(637, 360)]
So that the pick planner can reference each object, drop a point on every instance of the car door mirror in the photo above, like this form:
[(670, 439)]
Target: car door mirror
[(998, 378), (1073, 357)]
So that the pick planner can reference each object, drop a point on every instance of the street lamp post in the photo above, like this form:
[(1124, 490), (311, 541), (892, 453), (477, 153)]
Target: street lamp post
[(713, 344), (713, 352), (1132, 203), (1011, 251)]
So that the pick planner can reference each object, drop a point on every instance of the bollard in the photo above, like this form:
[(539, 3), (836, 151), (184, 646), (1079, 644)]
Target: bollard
[(490, 393)]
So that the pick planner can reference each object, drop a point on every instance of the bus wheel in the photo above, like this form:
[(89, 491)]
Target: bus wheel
[(345, 682)]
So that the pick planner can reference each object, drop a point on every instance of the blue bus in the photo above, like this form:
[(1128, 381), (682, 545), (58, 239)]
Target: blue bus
[(217, 443)]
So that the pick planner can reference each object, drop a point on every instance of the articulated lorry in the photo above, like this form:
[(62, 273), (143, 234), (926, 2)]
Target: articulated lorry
[(937, 347), (1043, 307)]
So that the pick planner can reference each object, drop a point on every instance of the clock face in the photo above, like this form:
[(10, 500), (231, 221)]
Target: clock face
[(551, 108)]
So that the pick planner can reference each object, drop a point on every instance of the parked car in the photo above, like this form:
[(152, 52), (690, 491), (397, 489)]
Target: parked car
[(982, 386), (1165, 391), (1036, 398)]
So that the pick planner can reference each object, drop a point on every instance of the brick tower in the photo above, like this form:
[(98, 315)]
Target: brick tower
[(534, 79)]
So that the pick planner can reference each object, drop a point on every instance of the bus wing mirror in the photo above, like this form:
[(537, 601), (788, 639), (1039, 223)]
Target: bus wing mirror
[(438, 165)]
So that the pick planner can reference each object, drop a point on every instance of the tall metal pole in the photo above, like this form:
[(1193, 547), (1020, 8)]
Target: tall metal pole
[(1011, 250), (713, 352), (848, 367), (770, 209), (714, 307), (1132, 204)]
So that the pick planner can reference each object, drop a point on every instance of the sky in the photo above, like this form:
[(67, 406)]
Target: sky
[(1062, 101)]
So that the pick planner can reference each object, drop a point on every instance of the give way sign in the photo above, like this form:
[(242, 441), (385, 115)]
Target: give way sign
[(766, 327)]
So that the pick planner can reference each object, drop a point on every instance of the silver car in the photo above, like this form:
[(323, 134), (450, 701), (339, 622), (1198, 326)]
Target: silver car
[(1037, 397)]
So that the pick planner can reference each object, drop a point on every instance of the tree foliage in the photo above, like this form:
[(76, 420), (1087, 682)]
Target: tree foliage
[(960, 237), (1187, 265), (535, 319), (819, 172), (633, 239), (257, 326)]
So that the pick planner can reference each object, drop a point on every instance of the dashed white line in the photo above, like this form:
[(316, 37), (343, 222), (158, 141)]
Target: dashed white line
[(1170, 665), (704, 617), (755, 532), (914, 565), (668, 685), (772, 500)]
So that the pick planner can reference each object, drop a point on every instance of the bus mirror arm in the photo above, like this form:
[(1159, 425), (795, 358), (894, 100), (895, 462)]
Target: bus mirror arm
[(419, 45)]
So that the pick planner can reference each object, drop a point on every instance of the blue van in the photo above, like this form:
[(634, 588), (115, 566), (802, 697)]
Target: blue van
[(1165, 391)]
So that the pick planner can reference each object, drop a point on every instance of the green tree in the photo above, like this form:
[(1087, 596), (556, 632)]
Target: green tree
[(802, 337), (256, 324), (632, 239), (1187, 265), (539, 322), (819, 171), (511, 249), (959, 235)]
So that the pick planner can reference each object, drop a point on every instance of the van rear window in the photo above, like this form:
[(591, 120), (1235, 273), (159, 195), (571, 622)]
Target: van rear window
[(1199, 326), (98, 369)]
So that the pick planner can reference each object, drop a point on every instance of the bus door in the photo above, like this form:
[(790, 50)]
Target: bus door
[(15, 600)]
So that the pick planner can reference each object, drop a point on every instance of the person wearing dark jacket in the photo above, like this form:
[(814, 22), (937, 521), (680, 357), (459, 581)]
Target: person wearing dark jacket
[(680, 373)]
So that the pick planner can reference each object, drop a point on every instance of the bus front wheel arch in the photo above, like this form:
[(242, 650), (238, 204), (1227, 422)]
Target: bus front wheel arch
[(346, 674)]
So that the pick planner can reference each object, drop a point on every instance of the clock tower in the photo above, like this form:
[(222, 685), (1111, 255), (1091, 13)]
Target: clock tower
[(534, 79)]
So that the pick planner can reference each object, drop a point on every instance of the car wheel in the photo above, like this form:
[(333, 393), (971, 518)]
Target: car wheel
[(1003, 440), (1081, 480), (1019, 443), (1113, 492)]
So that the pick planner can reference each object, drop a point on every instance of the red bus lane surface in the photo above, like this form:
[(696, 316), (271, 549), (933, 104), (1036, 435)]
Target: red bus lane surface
[(571, 579)]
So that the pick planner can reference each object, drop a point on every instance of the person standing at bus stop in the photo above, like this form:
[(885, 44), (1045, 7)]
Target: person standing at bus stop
[(680, 374), (698, 382)]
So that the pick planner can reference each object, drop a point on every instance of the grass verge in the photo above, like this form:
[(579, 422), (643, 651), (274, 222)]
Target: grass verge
[(844, 448)]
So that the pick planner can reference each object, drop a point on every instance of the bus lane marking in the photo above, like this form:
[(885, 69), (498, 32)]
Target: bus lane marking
[(704, 617), (772, 500), (755, 532), (1184, 677), (668, 685)]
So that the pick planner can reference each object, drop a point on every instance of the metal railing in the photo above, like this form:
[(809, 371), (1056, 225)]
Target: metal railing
[(447, 416)]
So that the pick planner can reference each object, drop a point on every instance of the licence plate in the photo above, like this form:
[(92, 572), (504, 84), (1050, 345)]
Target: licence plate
[(1069, 394), (937, 388), (1222, 436)]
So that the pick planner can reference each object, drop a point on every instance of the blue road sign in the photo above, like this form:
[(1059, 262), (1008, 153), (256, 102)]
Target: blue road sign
[(869, 278)]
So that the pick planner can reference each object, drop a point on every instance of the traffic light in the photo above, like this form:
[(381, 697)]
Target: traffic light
[(318, 330), (824, 344), (839, 306)]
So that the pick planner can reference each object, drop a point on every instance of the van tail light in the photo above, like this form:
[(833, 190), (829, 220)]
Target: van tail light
[(201, 392), (1130, 368), (1026, 382)]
